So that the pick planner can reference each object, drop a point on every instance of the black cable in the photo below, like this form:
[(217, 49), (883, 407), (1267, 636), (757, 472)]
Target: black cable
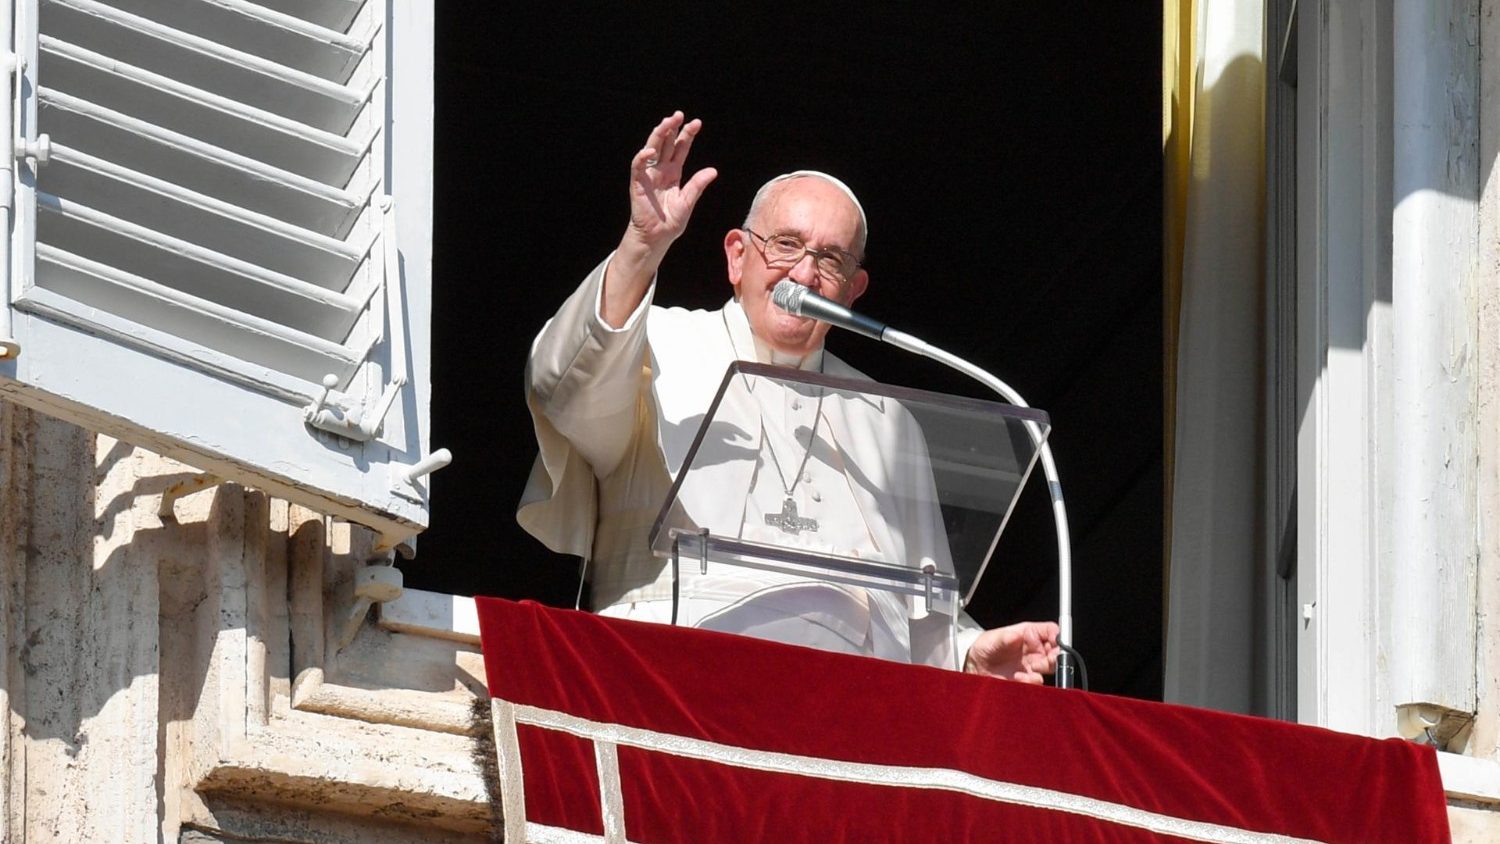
[(1083, 670)]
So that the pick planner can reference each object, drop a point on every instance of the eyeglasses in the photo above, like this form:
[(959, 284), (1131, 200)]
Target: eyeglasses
[(784, 250)]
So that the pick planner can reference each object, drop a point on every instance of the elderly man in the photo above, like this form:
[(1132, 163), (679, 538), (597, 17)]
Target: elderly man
[(607, 371)]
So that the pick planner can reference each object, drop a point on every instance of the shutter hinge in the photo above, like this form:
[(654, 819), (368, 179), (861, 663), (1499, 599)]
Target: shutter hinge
[(354, 424), (38, 151)]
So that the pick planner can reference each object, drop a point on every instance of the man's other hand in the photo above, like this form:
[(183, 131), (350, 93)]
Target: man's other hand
[(1025, 652)]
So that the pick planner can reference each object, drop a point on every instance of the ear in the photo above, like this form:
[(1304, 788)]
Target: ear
[(734, 257), (857, 285)]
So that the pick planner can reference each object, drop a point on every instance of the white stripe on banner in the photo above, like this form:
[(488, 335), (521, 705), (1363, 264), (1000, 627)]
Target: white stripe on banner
[(942, 779), (607, 760), (512, 784), (539, 834)]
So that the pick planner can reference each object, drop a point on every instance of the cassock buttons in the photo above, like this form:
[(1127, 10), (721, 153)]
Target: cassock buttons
[(814, 495)]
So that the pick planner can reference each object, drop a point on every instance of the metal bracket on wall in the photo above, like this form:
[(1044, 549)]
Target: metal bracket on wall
[(166, 511), (379, 581)]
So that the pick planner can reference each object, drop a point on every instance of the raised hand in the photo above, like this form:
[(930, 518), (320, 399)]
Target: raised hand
[(660, 204), (1024, 652)]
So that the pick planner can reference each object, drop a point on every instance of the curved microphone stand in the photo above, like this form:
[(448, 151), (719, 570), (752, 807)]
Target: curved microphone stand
[(902, 340), (796, 299)]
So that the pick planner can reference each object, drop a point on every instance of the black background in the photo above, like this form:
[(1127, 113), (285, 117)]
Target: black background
[(1008, 157)]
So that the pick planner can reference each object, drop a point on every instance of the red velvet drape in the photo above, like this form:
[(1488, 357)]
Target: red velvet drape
[(1043, 752)]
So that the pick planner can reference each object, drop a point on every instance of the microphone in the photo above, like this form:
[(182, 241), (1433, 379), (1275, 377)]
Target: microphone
[(797, 299)]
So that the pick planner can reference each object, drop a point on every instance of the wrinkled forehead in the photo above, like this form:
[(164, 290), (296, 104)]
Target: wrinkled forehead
[(766, 198)]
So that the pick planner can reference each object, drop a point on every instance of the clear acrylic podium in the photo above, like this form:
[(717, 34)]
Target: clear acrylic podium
[(841, 513)]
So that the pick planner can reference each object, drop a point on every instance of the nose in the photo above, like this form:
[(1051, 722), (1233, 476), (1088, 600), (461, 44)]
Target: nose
[(805, 271)]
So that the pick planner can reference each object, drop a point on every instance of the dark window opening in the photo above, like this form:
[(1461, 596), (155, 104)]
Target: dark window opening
[(1010, 165)]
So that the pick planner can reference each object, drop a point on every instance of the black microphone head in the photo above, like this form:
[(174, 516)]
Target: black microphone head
[(787, 295)]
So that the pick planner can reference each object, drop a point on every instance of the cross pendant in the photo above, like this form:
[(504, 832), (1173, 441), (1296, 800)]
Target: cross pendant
[(789, 521)]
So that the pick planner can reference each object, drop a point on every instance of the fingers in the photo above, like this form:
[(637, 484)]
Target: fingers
[(665, 130), (1040, 663), (663, 138), (645, 158), (1041, 636), (666, 150), (671, 140), (694, 188), (1031, 639), (684, 141), (1046, 631), (1042, 654), (669, 128)]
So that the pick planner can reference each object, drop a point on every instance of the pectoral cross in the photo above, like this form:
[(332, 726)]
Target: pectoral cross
[(789, 521)]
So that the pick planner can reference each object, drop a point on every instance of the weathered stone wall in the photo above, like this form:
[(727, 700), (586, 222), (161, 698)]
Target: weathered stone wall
[(81, 638), (176, 674)]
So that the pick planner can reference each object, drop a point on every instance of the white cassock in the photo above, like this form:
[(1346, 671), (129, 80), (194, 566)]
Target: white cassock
[(615, 412)]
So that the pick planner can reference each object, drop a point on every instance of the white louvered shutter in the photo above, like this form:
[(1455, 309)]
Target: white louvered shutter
[(220, 207)]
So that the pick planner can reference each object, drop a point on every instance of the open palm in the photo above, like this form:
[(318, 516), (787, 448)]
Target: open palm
[(660, 203)]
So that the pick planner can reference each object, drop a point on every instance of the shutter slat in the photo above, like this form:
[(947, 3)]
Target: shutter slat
[(273, 35), (128, 333), (197, 320), (217, 120), (337, 15), (208, 222), (211, 67), (200, 166), (195, 269)]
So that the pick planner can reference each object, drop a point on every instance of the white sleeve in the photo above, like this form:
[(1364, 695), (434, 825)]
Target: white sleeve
[(586, 377)]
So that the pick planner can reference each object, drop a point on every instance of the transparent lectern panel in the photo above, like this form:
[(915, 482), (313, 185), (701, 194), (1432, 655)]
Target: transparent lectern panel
[(808, 490)]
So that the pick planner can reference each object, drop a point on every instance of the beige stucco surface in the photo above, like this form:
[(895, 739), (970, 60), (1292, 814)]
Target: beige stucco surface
[(1474, 825)]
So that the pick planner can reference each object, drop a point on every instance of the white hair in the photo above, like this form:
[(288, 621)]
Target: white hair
[(860, 236)]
